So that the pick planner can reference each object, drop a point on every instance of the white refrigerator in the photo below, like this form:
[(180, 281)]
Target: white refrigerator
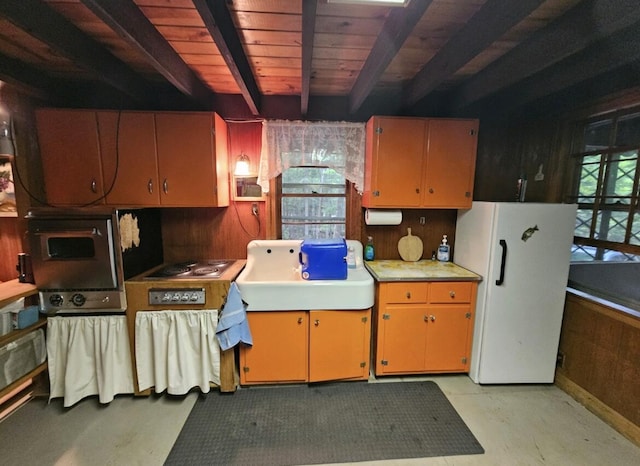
[(522, 251)]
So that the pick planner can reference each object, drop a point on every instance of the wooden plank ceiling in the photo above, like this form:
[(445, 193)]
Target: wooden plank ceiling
[(470, 51)]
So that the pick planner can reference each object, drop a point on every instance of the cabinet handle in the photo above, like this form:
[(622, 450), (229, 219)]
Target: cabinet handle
[(299, 320), (452, 294), (408, 294), (432, 318), (430, 190), (426, 318), (165, 186), (94, 186), (316, 322), (417, 190), (150, 186)]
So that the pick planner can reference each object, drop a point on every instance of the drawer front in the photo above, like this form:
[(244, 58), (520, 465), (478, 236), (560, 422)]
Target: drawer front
[(450, 292), (406, 292)]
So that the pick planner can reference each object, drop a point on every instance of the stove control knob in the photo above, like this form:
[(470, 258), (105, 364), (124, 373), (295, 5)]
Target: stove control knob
[(175, 297), (78, 299), (185, 297), (194, 297), (166, 297), (56, 300)]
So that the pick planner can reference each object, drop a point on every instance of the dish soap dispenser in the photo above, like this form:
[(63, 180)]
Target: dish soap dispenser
[(443, 250), (351, 258), (369, 252)]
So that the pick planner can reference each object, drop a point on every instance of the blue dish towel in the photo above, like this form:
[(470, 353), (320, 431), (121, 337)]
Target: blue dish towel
[(233, 326)]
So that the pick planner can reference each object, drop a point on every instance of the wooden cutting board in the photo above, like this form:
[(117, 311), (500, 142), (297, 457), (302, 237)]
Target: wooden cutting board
[(410, 247)]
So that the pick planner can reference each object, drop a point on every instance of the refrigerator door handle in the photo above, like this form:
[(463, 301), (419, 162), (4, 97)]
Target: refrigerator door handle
[(503, 261)]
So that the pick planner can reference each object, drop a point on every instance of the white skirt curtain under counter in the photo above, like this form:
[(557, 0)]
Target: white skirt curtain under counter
[(177, 350), (335, 144), (88, 355)]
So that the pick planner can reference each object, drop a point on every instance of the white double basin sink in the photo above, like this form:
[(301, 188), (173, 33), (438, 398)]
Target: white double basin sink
[(272, 281)]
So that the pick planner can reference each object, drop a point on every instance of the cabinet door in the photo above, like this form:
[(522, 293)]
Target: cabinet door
[(451, 162), (402, 337), (187, 159), (130, 168), (339, 345), (448, 338), (70, 153), (280, 348), (394, 162)]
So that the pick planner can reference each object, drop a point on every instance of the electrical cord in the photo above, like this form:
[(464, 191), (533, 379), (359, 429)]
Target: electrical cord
[(255, 214)]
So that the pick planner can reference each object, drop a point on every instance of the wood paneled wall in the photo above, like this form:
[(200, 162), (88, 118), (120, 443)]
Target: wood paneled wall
[(509, 149), (438, 222), (601, 350)]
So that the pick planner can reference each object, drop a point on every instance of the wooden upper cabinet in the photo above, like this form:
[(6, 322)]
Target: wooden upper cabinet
[(134, 158), (394, 162), (451, 163), (129, 162), (420, 162), (70, 153), (192, 159)]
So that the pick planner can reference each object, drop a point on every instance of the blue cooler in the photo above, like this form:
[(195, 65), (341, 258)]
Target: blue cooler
[(324, 259)]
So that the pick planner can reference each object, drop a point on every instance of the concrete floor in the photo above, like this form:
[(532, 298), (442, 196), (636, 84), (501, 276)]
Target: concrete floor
[(516, 425)]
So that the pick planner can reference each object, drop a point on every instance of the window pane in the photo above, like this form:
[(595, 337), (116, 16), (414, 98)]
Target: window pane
[(611, 225), (628, 130), (596, 135), (583, 223), (635, 229), (589, 253), (588, 187), (312, 180), (621, 170)]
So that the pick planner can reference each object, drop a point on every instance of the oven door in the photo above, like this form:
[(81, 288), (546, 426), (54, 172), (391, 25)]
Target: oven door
[(74, 254)]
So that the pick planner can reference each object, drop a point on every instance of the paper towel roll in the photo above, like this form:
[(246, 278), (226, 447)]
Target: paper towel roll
[(382, 217)]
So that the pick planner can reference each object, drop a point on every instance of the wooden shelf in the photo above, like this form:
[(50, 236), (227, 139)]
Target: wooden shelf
[(12, 291), (14, 335)]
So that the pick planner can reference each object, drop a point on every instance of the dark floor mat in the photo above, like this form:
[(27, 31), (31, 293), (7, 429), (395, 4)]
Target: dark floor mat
[(328, 423)]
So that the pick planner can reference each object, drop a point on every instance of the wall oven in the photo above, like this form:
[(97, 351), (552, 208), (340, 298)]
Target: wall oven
[(82, 257)]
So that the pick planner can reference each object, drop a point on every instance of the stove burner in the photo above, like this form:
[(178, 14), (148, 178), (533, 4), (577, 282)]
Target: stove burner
[(206, 270), (174, 270), (192, 269)]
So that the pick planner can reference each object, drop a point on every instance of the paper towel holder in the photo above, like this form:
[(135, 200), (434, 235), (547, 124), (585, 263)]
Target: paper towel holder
[(383, 216)]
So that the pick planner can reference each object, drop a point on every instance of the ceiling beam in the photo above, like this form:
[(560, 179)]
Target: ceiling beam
[(23, 76), (219, 23), (44, 23), (489, 24), (397, 27), (615, 52), (309, 8), (582, 25), (125, 18)]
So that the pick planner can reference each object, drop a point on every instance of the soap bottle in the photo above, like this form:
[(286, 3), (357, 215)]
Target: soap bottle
[(443, 250), (369, 252), (351, 258)]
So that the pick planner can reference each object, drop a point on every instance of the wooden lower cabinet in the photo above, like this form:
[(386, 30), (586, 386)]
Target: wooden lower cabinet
[(424, 327), (306, 346)]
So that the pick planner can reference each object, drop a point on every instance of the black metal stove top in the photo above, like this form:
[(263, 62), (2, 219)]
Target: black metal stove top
[(211, 268)]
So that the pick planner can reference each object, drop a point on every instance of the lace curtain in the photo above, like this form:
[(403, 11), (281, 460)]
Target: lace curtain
[(338, 145)]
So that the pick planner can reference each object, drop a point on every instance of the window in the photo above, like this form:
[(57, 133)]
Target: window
[(606, 188), (316, 166), (313, 203)]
